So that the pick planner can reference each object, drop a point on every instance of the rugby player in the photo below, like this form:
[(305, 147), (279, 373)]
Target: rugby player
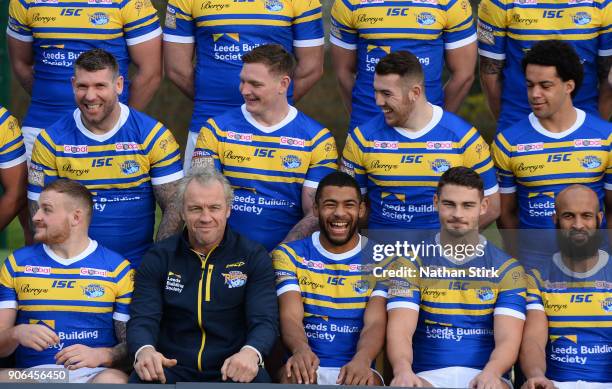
[(13, 171)]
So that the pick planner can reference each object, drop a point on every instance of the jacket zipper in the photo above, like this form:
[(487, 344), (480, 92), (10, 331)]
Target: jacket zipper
[(207, 298)]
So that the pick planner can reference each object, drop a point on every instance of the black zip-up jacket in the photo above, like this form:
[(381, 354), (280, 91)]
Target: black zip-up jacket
[(202, 309)]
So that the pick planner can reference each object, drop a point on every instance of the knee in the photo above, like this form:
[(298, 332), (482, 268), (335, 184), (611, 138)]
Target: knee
[(110, 376)]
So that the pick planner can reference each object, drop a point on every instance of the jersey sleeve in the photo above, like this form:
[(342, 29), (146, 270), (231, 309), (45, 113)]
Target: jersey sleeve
[(608, 174), (401, 277), (323, 158), (352, 159), (512, 290), (164, 156), (43, 167), (343, 31), (8, 296), (478, 157), (179, 26), (459, 30), (12, 149), (308, 24), (18, 23), (140, 21), (534, 293), (285, 270), (492, 26), (503, 163), (605, 34), (206, 152), (124, 283)]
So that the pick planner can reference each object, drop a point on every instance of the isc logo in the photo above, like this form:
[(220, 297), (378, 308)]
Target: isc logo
[(63, 284), (397, 12), (563, 157), (458, 285), (100, 162), (71, 12), (581, 298), (336, 280), (266, 153), (411, 159), (552, 14)]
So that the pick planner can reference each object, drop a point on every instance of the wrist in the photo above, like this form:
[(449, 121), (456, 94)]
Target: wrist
[(303, 347), (105, 355), (494, 369), (252, 355), (402, 367), (362, 357)]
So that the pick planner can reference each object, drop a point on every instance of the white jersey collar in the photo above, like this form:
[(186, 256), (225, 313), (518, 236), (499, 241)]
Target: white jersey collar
[(316, 241), (602, 261), (91, 247), (123, 117), (292, 114), (535, 123), (435, 119)]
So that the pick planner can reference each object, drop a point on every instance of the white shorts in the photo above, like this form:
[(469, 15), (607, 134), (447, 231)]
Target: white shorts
[(582, 385), (78, 376), (189, 149), (453, 377), (29, 136), (329, 375)]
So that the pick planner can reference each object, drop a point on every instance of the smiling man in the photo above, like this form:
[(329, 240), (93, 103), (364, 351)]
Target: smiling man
[(272, 154), (555, 146), (398, 158), (323, 289), (127, 159)]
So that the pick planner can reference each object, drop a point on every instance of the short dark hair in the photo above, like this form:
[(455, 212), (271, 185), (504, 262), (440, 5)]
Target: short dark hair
[(97, 59), (461, 176), (559, 54), (73, 189), (278, 60), (340, 179), (402, 63)]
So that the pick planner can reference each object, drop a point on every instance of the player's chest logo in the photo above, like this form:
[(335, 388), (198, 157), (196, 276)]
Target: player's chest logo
[(174, 282), (291, 161), (234, 279), (590, 162), (274, 5)]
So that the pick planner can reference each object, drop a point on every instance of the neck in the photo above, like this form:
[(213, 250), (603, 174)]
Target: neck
[(105, 125), (419, 117), (71, 247), (273, 115), (471, 239), (561, 120), (339, 249), (580, 266)]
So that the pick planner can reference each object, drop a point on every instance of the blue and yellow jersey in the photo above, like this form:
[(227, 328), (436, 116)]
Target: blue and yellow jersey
[(400, 170), (225, 30), (12, 150), (120, 168), (60, 30), (458, 302), (537, 164), (267, 167), (335, 289), (509, 28), (579, 311), (375, 28), (78, 298)]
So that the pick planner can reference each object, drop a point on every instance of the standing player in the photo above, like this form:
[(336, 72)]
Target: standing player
[(398, 158), (13, 171), (323, 287), (469, 323), (555, 146), (127, 159), (64, 301), (567, 339), (46, 37), (437, 32), (273, 155), (507, 29), (220, 33)]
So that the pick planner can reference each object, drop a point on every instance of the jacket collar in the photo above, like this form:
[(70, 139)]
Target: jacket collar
[(229, 238)]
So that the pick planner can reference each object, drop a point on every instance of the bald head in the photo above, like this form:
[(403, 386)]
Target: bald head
[(577, 197)]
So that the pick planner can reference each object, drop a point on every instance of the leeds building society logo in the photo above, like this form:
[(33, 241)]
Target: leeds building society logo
[(99, 19), (93, 290), (234, 279), (274, 5)]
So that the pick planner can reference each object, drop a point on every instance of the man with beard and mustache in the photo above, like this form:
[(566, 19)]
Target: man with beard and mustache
[(332, 316), (64, 301), (567, 337), (127, 159), (470, 300)]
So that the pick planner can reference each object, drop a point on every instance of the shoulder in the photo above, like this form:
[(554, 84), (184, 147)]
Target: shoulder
[(111, 258), (371, 127), (141, 121), (308, 124), (63, 126), (295, 248), (516, 133), (24, 254), (597, 124), (455, 124), (230, 117)]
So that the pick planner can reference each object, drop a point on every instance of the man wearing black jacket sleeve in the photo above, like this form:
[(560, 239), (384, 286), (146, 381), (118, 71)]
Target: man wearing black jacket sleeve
[(204, 306)]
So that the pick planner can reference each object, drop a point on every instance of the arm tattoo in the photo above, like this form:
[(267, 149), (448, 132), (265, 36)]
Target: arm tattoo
[(33, 208), (308, 224), (171, 222), (603, 68), (119, 353), (490, 65)]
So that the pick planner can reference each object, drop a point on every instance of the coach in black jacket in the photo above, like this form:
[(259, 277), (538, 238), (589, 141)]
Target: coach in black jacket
[(204, 306)]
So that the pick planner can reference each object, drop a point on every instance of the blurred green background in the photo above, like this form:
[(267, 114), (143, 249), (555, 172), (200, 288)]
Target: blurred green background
[(173, 109)]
